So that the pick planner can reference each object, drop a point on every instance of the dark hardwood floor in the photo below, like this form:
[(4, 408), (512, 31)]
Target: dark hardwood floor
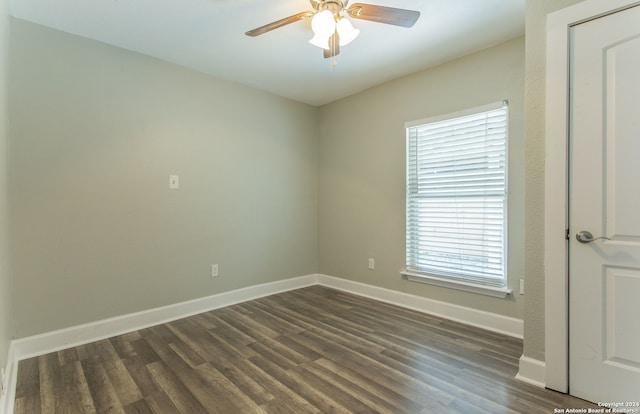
[(313, 350)]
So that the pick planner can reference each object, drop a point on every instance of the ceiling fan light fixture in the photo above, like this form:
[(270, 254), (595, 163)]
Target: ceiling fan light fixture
[(346, 31), (320, 41), (323, 24), (331, 25)]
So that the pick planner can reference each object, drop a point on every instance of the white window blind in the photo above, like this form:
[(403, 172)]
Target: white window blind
[(456, 196)]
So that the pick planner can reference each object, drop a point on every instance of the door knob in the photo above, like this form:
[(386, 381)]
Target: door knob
[(585, 236)]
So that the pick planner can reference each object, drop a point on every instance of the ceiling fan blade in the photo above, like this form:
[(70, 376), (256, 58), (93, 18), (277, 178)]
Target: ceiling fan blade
[(382, 14), (279, 23), (334, 46)]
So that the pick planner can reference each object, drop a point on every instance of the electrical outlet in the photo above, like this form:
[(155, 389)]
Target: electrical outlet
[(522, 286), (214, 270), (372, 263)]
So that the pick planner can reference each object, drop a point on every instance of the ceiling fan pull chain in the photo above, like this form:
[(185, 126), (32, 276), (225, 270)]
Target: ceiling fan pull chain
[(333, 47)]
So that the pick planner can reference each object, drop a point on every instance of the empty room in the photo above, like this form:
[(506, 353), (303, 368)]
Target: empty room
[(319, 206)]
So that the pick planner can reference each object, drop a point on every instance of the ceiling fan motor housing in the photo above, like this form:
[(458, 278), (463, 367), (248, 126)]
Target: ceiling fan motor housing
[(334, 6)]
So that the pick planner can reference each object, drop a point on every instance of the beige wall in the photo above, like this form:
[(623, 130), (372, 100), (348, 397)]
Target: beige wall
[(536, 14), (362, 170), (5, 276), (95, 132)]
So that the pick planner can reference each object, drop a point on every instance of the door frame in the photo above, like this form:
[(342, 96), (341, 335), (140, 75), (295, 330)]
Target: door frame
[(556, 214)]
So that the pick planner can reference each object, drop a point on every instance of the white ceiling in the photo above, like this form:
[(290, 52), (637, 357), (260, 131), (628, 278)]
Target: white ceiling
[(208, 36)]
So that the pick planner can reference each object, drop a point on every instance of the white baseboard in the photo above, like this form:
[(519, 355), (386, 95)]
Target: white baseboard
[(77, 335), (82, 334), (486, 320), (532, 371), (94, 331)]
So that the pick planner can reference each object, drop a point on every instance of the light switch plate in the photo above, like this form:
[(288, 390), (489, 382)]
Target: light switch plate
[(174, 182)]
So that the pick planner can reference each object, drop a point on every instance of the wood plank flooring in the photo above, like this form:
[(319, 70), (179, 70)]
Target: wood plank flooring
[(312, 350)]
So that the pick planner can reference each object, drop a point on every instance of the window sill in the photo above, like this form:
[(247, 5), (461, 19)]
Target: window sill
[(495, 292)]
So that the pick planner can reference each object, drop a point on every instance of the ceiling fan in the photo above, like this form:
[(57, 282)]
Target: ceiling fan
[(332, 28)]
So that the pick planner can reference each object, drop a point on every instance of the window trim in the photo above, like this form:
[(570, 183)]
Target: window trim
[(497, 292), (464, 285)]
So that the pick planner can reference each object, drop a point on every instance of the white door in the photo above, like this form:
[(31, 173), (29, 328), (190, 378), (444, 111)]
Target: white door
[(604, 275)]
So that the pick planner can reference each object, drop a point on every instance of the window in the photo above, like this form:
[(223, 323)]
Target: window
[(456, 200)]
